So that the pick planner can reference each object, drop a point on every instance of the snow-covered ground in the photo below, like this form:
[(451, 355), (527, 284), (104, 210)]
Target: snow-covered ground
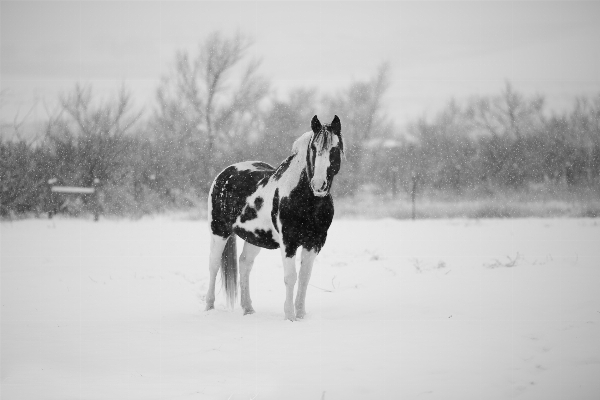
[(458, 309)]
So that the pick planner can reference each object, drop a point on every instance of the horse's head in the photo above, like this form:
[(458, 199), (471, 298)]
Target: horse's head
[(323, 155)]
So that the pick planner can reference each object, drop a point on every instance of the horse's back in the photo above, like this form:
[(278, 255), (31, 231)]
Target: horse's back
[(230, 190)]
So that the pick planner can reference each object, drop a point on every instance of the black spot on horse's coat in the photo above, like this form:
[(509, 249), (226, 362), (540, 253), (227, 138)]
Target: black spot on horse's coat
[(311, 155), (263, 181), (335, 161), (275, 209), (251, 212), (263, 166), (305, 218), (261, 238), (248, 214), (283, 167), (334, 165), (231, 189), (266, 238)]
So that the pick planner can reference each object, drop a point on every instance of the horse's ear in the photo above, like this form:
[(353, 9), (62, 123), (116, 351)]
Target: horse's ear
[(336, 126), (315, 124)]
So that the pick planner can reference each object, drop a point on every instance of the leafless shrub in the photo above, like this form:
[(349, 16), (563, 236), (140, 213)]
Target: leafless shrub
[(509, 263)]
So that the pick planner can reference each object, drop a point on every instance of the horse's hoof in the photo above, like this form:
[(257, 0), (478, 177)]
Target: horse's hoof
[(300, 315), (249, 311), (209, 307), (290, 317)]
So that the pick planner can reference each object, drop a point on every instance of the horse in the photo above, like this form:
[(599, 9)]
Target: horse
[(284, 208)]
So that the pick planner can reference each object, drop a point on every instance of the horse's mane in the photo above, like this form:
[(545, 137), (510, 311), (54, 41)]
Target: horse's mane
[(322, 139), (301, 144)]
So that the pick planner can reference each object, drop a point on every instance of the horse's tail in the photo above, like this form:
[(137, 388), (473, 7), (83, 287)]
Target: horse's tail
[(229, 270)]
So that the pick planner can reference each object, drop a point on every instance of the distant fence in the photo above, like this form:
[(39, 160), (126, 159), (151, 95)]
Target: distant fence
[(72, 189), (61, 197)]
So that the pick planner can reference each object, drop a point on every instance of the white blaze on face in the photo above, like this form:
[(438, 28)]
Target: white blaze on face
[(322, 162)]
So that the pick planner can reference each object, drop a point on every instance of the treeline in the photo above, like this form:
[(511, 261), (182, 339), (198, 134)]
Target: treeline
[(215, 108), (493, 144)]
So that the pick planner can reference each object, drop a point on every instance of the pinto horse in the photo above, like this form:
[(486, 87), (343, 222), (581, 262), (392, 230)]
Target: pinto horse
[(274, 208)]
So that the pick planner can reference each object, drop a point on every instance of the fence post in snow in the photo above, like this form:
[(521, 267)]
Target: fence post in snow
[(413, 195), (96, 199)]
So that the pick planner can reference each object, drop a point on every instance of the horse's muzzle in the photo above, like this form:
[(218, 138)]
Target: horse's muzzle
[(322, 191)]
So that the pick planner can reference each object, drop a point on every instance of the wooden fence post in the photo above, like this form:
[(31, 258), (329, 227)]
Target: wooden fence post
[(96, 199), (413, 195)]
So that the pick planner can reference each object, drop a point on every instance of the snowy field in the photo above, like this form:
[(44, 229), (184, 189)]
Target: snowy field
[(432, 309)]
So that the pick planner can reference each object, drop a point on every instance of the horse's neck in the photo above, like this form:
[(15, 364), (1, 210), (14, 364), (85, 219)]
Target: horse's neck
[(291, 178)]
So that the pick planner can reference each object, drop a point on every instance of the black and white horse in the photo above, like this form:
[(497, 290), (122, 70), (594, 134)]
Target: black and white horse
[(285, 207)]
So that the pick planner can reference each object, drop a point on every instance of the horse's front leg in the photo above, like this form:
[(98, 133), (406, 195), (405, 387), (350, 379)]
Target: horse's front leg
[(289, 278), (307, 259)]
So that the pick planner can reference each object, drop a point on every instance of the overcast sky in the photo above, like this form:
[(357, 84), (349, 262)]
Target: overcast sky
[(436, 50)]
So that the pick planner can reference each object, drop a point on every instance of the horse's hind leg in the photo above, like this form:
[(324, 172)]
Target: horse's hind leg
[(306, 263), (217, 244), (247, 257)]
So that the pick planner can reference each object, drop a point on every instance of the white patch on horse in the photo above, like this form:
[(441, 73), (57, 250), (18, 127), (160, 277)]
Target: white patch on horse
[(247, 165), (263, 218), (290, 179)]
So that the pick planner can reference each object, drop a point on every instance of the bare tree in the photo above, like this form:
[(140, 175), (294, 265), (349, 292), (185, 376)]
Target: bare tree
[(584, 133), (4, 125), (509, 113), (109, 119), (361, 106), (97, 130), (20, 129), (283, 123), (509, 120), (211, 98), (363, 118)]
